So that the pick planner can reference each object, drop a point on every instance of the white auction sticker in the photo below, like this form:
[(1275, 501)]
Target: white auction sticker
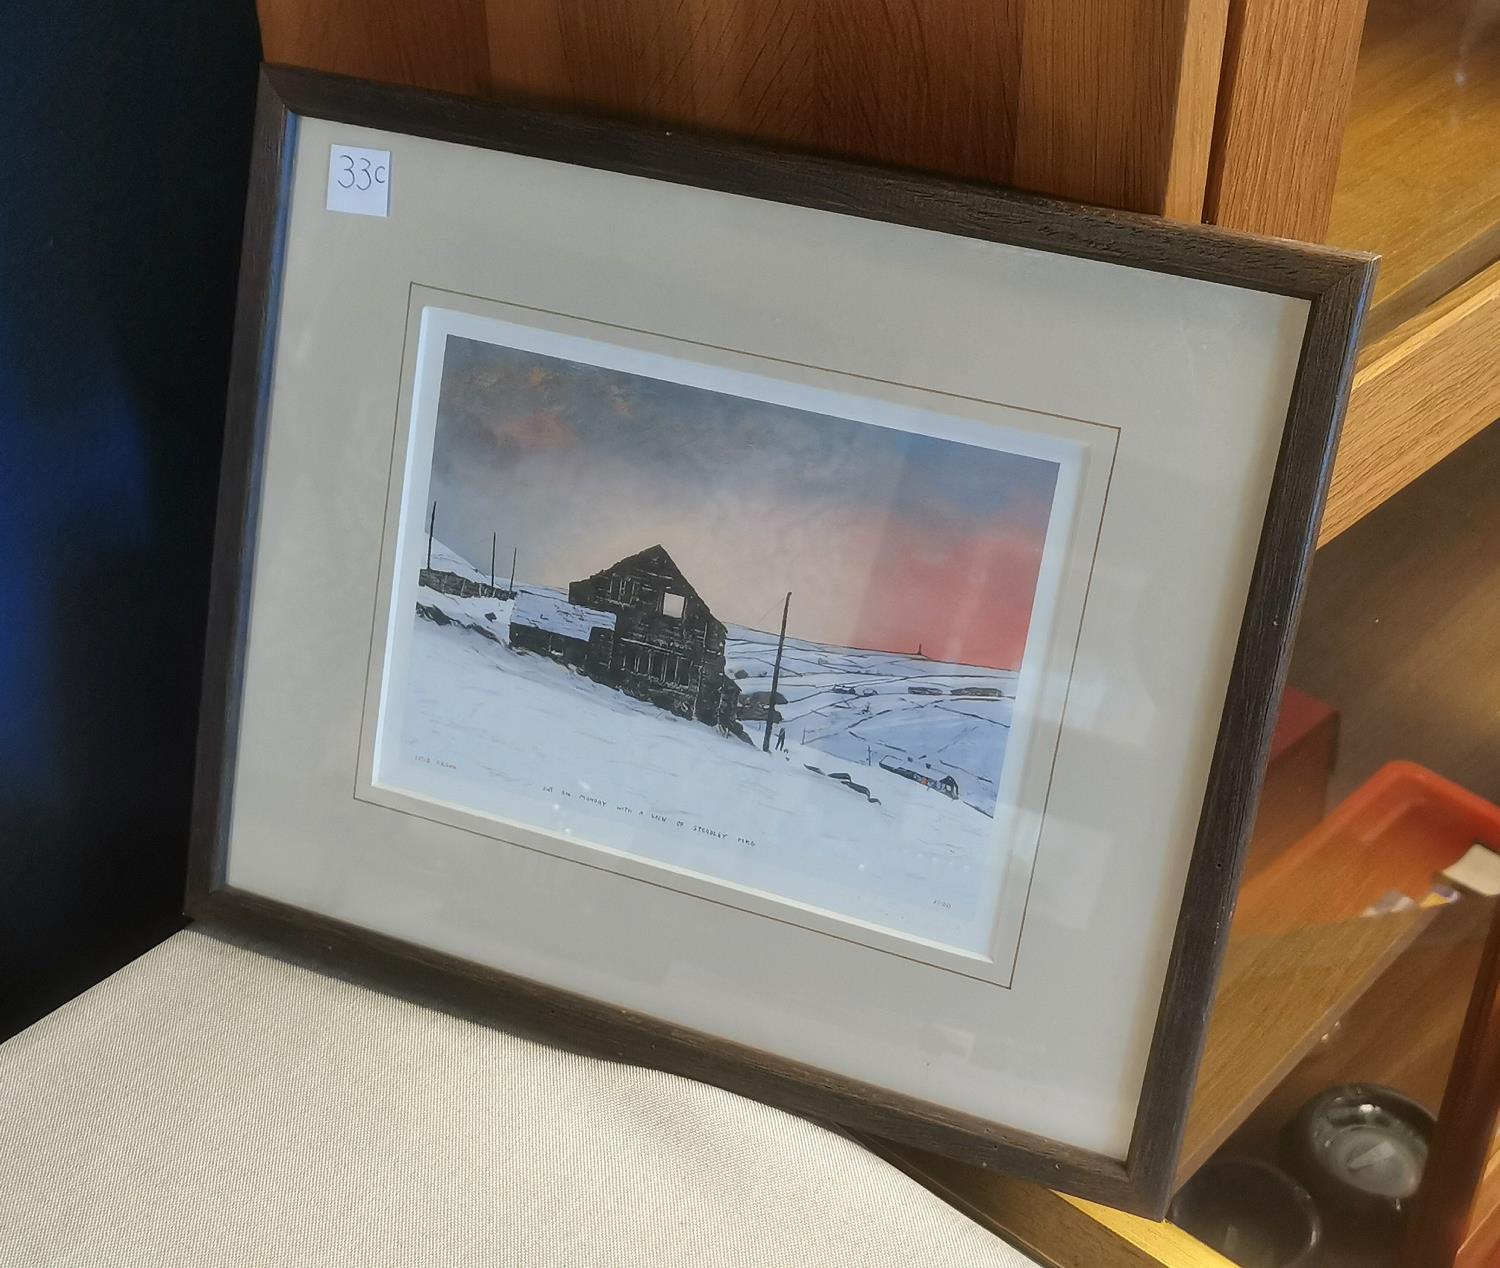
[(359, 180)]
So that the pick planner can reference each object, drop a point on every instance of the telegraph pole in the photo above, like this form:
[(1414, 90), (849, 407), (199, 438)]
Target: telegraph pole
[(776, 674), (513, 550), (431, 528), (492, 559)]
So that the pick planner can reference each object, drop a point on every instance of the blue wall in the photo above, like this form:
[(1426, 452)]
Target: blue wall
[(125, 131)]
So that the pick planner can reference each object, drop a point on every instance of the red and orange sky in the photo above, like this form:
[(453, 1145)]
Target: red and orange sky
[(886, 539)]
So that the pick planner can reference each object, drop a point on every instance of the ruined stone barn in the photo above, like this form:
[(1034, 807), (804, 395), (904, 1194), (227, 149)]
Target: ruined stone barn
[(667, 647)]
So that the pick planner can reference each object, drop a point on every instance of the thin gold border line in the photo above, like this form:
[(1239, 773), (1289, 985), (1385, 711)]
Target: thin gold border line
[(385, 519), (1062, 716), (761, 356)]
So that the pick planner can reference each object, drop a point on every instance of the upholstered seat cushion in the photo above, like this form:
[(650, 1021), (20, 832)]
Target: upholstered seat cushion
[(209, 1105)]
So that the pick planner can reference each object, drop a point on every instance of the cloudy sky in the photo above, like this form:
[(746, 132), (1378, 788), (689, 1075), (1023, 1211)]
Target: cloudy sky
[(886, 539)]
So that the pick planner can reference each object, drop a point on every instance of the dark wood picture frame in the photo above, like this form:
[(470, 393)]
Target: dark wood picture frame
[(1336, 283)]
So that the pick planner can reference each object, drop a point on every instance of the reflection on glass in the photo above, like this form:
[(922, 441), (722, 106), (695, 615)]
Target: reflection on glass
[(767, 646)]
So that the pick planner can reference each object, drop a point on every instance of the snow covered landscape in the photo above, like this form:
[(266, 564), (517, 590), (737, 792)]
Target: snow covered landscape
[(880, 807), (865, 707)]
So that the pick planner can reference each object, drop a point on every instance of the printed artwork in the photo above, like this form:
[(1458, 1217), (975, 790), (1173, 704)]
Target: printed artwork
[(774, 648)]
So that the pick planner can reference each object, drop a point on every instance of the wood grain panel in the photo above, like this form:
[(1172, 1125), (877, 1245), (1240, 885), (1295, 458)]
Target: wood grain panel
[(436, 44), (1418, 394), (1106, 101), (1117, 101), (1283, 96), (1420, 181), (1190, 142), (923, 84), (737, 68)]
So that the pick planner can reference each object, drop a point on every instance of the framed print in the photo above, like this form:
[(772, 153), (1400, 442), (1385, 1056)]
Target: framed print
[(806, 626)]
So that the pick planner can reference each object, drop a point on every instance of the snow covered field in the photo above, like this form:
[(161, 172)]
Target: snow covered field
[(860, 706), (517, 736)]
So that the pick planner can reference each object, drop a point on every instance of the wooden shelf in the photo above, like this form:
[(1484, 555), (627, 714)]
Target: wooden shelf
[(1054, 1228), (1278, 996), (1401, 1032), (1419, 183), (1419, 174), (1302, 956), (1419, 393), (1444, 948)]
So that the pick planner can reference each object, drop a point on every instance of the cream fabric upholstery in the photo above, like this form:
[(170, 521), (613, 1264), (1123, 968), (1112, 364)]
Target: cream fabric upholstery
[(214, 1107)]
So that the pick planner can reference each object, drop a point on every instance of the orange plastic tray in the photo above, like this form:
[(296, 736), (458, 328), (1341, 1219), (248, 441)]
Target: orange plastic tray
[(1397, 831)]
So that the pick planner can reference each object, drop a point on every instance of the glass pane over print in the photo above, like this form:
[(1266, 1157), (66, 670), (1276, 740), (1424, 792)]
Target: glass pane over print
[(769, 646)]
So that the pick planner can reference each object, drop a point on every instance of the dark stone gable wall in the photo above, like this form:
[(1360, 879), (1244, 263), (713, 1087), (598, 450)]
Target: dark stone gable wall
[(460, 587), (676, 662)]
